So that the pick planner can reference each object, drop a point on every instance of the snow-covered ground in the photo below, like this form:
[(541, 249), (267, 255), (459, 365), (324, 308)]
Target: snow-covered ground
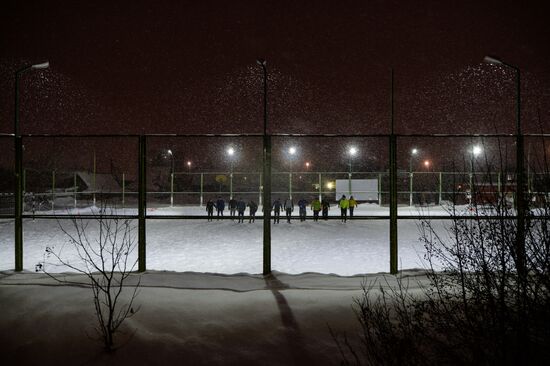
[(225, 246), (186, 318), (187, 315)]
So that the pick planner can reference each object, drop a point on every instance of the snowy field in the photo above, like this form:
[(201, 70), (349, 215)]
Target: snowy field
[(186, 318), (228, 247)]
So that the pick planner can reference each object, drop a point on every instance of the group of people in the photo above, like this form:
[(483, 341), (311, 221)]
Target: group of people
[(238, 206), (235, 207), (316, 205), (346, 204)]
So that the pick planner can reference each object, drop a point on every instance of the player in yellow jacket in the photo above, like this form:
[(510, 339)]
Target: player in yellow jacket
[(352, 205), (316, 207), (343, 204)]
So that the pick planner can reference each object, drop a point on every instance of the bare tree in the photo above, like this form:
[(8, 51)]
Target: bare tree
[(105, 253), (478, 308)]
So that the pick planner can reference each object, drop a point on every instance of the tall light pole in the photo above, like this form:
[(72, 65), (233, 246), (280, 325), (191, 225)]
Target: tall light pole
[(231, 153), (169, 152), (352, 151), (520, 178), (474, 153), (291, 152), (393, 184), (414, 153), (267, 180), (19, 168)]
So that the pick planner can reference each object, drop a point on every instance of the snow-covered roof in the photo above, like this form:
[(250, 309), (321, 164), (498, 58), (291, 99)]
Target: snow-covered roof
[(103, 182)]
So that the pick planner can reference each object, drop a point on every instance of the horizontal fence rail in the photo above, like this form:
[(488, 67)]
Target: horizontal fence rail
[(408, 191)]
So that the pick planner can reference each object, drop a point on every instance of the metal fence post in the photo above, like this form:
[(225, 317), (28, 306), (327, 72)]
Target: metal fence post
[(53, 190), (520, 203), (93, 179), (499, 185), (411, 189), (267, 180), (393, 204), (440, 187), (142, 204), (290, 185), (380, 189), (74, 178), (172, 189), (18, 201), (123, 190), (202, 190), (393, 189), (231, 184), (267, 205), (320, 188), (260, 191)]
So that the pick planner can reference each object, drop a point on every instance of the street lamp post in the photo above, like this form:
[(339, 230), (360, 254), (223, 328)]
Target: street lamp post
[(169, 152), (267, 180), (352, 151), (476, 150), (291, 152), (19, 169), (231, 153), (414, 152), (520, 189)]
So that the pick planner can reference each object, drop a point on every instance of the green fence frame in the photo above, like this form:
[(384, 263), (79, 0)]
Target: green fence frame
[(142, 216)]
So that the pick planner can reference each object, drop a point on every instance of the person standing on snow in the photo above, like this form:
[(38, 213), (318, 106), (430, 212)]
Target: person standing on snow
[(241, 207), (253, 208), (352, 205), (316, 207), (232, 207), (325, 206), (343, 204), (302, 205), (210, 209), (276, 210), (220, 206), (289, 207)]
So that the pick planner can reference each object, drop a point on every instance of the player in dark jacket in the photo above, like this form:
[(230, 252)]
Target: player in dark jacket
[(276, 210), (232, 204), (325, 206), (241, 208), (220, 206), (253, 208), (302, 205), (289, 208), (210, 209)]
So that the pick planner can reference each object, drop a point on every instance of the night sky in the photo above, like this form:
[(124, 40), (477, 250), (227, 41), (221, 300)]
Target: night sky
[(189, 67)]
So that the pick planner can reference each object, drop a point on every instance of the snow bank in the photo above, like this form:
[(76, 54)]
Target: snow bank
[(191, 318)]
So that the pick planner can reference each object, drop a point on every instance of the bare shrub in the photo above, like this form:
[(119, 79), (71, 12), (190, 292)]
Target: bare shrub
[(479, 308), (104, 254)]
